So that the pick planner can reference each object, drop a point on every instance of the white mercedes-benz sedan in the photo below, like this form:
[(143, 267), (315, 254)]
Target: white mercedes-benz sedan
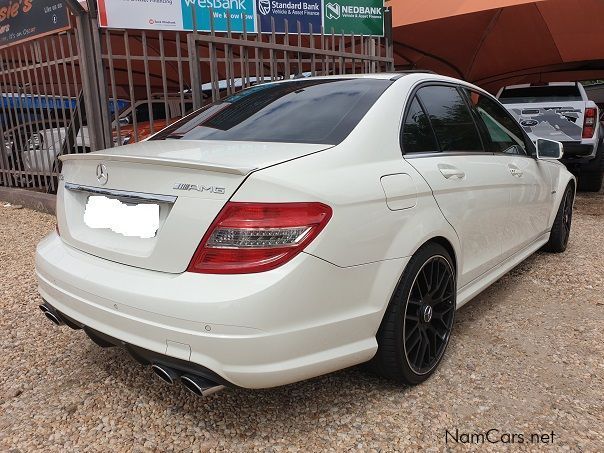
[(300, 227)]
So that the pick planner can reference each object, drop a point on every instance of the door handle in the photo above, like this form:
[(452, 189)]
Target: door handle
[(515, 171), (451, 172)]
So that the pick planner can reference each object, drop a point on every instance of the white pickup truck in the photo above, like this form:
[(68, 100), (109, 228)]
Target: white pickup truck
[(561, 111)]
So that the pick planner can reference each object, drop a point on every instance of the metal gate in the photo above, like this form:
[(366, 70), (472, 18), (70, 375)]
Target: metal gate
[(91, 88), (39, 87)]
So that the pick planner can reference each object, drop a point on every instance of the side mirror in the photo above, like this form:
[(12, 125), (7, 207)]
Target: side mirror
[(124, 121), (549, 149)]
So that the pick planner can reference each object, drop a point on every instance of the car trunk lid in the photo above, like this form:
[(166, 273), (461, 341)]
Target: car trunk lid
[(186, 184)]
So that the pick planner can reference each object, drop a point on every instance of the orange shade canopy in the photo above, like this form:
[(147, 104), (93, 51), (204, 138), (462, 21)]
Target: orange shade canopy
[(500, 42)]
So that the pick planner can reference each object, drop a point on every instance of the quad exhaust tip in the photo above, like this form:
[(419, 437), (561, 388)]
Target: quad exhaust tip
[(168, 375), (195, 384), (51, 315), (199, 385)]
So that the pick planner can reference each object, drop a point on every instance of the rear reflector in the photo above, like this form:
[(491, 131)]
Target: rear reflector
[(589, 122), (257, 237)]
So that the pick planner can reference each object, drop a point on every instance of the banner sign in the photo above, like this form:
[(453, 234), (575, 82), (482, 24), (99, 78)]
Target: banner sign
[(177, 14), (305, 12), (354, 17), (239, 10), (21, 20), (141, 14)]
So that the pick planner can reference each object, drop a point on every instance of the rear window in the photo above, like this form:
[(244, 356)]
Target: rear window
[(540, 94), (321, 111)]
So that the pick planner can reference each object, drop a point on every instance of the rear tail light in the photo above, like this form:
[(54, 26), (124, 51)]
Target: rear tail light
[(256, 237), (589, 122)]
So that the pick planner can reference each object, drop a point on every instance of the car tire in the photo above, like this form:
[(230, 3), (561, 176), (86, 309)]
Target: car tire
[(591, 174), (412, 338), (591, 181), (558, 238)]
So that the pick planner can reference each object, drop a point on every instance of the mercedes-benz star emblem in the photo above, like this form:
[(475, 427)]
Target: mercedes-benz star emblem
[(427, 315), (101, 174)]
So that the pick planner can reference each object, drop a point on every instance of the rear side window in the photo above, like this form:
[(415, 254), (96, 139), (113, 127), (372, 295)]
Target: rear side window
[(451, 119), (505, 133), (540, 94), (417, 134), (301, 111)]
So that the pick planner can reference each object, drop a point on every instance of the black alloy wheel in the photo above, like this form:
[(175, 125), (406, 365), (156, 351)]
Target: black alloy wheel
[(429, 315), (558, 237), (416, 327), (567, 216)]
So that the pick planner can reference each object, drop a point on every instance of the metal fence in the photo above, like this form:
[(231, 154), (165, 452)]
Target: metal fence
[(90, 88), (40, 87)]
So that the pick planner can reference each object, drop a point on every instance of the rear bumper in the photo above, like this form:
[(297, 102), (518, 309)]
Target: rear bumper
[(576, 155), (301, 320), (577, 149)]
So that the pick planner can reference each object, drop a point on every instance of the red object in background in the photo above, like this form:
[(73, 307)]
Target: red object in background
[(589, 122), (102, 13), (143, 130)]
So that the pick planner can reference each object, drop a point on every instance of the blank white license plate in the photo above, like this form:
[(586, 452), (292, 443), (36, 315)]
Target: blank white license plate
[(139, 220)]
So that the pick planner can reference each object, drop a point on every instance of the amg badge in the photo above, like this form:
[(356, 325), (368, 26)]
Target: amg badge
[(199, 188)]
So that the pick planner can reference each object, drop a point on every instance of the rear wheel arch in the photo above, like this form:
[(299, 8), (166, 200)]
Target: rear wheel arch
[(392, 336), (446, 243), (441, 240)]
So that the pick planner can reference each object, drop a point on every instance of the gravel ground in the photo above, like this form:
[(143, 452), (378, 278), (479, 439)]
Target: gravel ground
[(526, 357)]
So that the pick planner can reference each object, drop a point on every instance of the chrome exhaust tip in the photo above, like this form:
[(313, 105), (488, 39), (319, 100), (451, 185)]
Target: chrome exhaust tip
[(200, 386), (53, 318), (51, 315), (168, 375)]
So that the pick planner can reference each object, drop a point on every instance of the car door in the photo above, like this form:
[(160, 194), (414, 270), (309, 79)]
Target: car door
[(441, 141), (528, 179)]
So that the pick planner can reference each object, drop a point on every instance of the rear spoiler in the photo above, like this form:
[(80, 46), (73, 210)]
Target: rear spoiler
[(207, 166)]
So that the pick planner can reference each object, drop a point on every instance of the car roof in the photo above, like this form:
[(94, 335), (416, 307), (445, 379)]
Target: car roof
[(548, 84), (380, 76), (393, 75), (407, 75)]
